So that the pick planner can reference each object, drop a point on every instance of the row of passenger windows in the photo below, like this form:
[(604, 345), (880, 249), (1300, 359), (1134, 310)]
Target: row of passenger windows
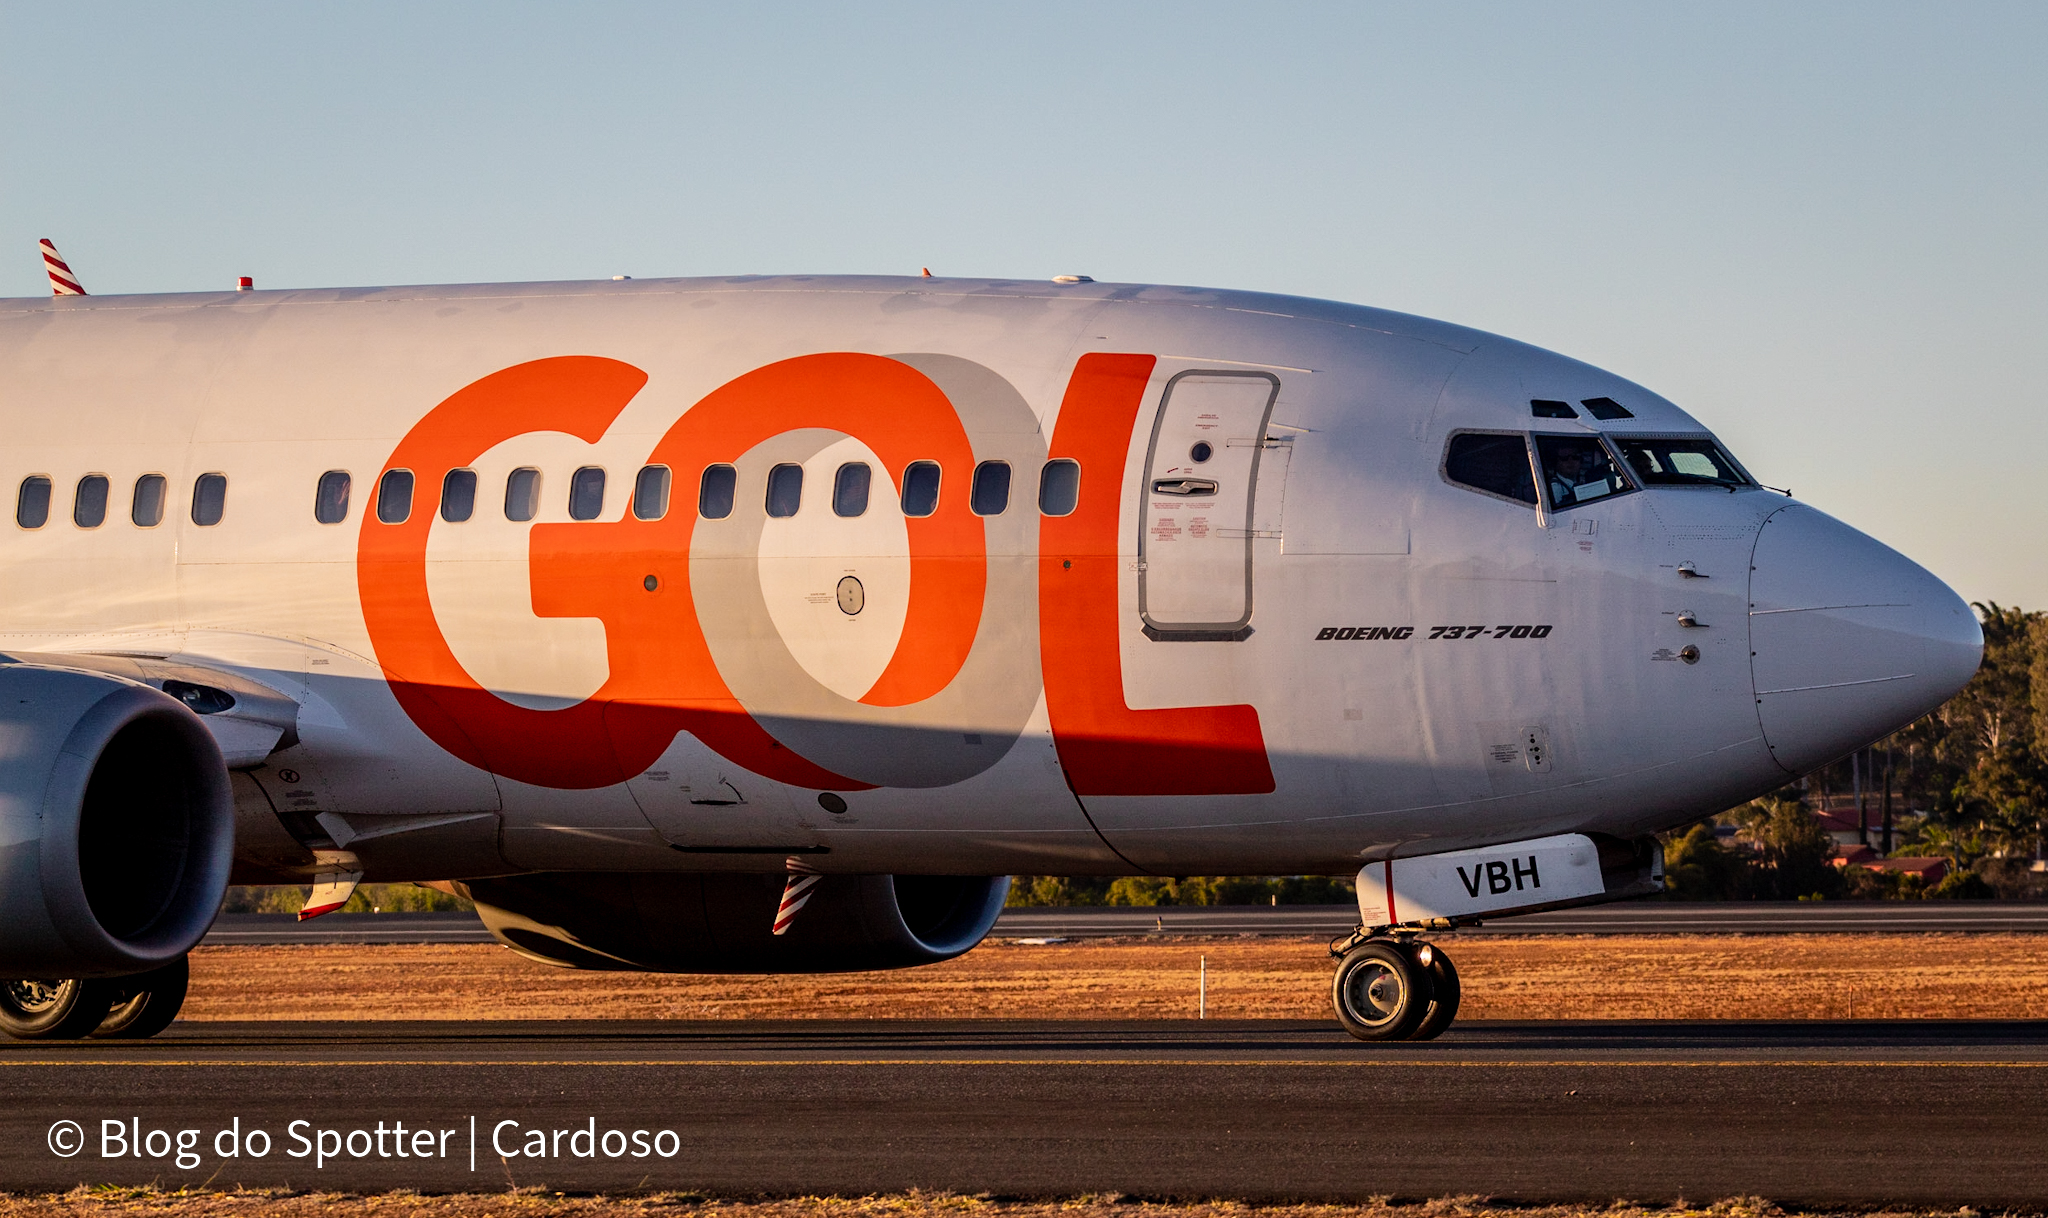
[(988, 494), (145, 506), (1059, 488)]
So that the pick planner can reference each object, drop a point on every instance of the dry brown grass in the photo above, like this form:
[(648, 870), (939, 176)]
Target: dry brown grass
[(1563, 977), (531, 1204)]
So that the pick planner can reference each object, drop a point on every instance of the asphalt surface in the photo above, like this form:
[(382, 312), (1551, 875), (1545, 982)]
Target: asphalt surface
[(1924, 1113), (256, 929), (1626, 918)]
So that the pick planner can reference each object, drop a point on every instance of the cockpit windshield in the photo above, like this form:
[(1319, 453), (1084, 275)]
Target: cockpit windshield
[(1576, 470), (1692, 461)]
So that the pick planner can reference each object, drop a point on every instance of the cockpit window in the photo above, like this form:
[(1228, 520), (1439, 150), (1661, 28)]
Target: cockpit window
[(1692, 461), (1490, 462), (1577, 470)]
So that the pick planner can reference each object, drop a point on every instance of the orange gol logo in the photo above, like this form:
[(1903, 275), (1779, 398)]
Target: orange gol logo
[(664, 679)]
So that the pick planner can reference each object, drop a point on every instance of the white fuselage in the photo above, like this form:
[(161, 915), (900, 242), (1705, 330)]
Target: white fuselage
[(1305, 652)]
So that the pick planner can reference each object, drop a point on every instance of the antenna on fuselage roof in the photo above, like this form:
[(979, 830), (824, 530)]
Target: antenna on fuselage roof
[(62, 281)]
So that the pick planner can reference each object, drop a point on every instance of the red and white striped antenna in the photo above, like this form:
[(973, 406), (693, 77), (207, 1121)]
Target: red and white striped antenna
[(796, 893), (62, 281)]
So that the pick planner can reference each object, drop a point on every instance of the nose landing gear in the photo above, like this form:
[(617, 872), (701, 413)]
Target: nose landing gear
[(1394, 989)]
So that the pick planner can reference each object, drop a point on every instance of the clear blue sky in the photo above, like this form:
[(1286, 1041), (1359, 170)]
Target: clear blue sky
[(1818, 227)]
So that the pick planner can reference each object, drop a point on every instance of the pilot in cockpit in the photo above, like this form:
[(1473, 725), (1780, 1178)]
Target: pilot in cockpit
[(1577, 470)]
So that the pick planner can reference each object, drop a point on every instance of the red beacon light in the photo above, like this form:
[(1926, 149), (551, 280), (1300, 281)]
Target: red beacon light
[(245, 284)]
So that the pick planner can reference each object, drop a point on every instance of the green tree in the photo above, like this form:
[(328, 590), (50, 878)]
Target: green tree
[(1143, 890), (1027, 890), (2001, 797), (1314, 890), (1961, 886), (1698, 866), (1863, 884), (1977, 766), (1794, 854)]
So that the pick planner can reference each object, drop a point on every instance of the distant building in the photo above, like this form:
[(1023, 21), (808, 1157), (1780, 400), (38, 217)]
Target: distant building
[(1842, 825), (1929, 870)]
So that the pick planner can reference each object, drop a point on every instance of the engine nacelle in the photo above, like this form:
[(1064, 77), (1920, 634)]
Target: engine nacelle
[(116, 825), (668, 923)]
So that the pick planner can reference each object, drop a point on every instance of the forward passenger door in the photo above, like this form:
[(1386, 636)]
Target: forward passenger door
[(1195, 537)]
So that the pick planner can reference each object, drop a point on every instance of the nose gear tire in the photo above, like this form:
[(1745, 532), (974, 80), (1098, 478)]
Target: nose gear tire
[(1380, 992), (1444, 995)]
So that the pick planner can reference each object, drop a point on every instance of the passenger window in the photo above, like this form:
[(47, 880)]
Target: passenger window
[(1693, 461), (850, 489), (89, 505), (1059, 487), (990, 494), (32, 505), (394, 496), (1496, 464), (586, 493), (330, 497), (458, 495), (522, 493), (785, 490), (650, 493), (1577, 470), (715, 492), (921, 488), (209, 499), (147, 510)]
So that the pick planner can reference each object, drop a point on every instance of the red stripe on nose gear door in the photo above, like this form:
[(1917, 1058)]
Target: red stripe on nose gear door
[(1389, 873)]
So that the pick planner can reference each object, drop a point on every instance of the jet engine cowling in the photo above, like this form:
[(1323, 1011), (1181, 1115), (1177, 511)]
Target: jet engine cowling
[(722, 923), (116, 825)]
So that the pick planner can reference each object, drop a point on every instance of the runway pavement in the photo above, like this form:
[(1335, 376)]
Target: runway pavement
[(1626, 918), (1621, 918), (1932, 1114), (258, 929)]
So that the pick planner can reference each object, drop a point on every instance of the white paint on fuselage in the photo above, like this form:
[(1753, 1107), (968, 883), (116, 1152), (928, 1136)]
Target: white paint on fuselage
[(1376, 747)]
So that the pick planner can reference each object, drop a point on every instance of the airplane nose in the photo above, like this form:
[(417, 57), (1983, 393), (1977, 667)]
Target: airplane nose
[(1850, 639)]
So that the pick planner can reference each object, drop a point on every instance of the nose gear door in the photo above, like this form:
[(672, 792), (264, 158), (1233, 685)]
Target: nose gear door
[(1195, 535)]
